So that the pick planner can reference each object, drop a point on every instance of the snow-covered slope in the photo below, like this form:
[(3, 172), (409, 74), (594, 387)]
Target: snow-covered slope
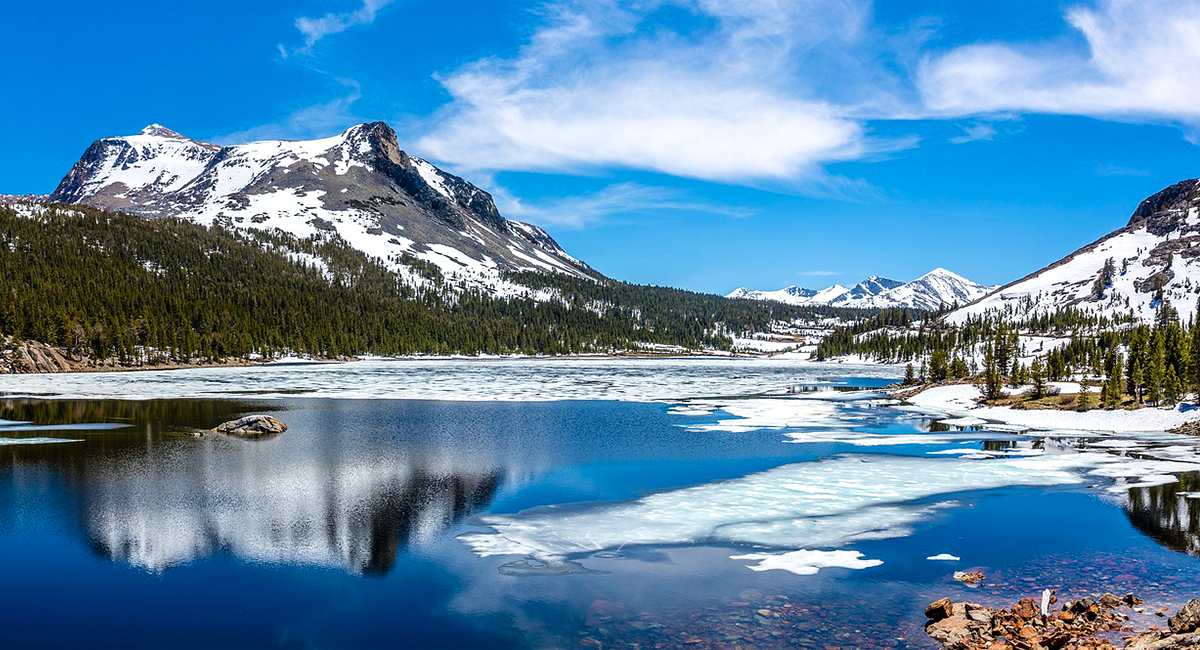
[(796, 295), (936, 289), (358, 184), (1156, 255)]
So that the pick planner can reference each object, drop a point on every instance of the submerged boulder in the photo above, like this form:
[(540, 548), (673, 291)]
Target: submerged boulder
[(252, 426)]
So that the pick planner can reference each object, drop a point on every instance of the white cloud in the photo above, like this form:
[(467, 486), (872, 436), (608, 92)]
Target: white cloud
[(1136, 61), (973, 132), (748, 96), (314, 29), (315, 121), (1110, 169), (579, 211), (819, 273)]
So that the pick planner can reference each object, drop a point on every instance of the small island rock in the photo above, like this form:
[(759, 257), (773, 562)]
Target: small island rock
[(252, 426)]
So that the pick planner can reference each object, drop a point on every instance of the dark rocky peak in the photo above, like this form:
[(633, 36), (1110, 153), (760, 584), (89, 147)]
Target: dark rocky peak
[(1167, 211), (372, 138), (874, 286)]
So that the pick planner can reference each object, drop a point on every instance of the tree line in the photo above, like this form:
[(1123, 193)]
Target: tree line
[(114, 286)]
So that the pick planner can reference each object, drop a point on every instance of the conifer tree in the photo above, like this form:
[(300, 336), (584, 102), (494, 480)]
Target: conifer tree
[(1172, 389), (1037, 377), (1156, 376), (990, 381), (1084, 400), (1112, 385)]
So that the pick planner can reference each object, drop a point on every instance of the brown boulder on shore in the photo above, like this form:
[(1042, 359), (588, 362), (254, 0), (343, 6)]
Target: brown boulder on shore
[(1084, 623), (1183, 632), (252, 426)]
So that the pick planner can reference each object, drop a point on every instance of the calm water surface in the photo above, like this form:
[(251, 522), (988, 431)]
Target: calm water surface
[(352, 529)]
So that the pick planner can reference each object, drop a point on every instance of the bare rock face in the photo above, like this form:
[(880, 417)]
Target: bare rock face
[(19, 357), (253, 426)]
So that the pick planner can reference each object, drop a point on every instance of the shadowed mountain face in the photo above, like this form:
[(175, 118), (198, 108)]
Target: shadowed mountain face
[(154, 496), (358, 184)]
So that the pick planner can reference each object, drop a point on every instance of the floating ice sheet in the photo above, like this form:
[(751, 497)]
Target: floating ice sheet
[(773, 413), (944, 557), (822, 505), (628, 379), (805, 562), (34, 441)]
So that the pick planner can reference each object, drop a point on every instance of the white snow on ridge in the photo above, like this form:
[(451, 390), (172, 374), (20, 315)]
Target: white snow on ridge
[(1154, 255), (936, 289), (1072, 283), (286, 185), (432, 176)]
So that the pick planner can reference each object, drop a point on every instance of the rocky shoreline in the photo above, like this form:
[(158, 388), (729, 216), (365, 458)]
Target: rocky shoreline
[(32, 357), (1093, 622)]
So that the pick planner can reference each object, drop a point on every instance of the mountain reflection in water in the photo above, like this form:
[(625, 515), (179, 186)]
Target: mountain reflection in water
[(327, 493)]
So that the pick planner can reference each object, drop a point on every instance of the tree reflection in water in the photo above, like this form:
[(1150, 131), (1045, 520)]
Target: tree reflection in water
[(1169, 513)]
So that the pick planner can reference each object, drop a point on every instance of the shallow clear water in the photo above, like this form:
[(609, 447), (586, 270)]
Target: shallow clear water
[(373, 522)]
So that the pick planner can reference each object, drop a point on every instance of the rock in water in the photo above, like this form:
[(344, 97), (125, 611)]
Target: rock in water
[(253, 426), (939, 609)]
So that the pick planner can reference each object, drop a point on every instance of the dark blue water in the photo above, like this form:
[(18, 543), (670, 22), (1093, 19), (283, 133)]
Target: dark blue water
[(342, 533)]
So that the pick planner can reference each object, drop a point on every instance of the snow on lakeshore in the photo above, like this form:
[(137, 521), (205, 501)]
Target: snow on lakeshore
[(960, 401), (626, 379)]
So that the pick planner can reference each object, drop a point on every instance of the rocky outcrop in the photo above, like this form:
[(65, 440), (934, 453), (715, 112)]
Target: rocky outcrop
[(1183, 631), (252, 426), (24, 357), (1029, 625)]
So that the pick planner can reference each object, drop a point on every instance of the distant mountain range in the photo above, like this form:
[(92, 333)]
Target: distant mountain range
[(358, 184), (1130, 271), (937, 289)]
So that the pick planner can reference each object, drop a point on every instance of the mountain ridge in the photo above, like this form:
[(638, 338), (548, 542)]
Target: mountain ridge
[(934, 290), (358, 184), (1156, 255)]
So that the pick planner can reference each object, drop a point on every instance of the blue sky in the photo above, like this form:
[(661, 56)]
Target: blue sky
[(707, 144)]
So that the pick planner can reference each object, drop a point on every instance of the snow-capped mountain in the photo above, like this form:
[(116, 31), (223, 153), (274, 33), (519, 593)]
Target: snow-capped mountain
[(358, 184), (936, 289), (792, 295), (1156, 255)]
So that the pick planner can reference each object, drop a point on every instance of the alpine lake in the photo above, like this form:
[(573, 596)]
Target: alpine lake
[(589, 503)]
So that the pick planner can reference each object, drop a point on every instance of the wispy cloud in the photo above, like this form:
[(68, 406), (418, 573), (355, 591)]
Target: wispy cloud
[(1109, 169), (620, 199), (1138, 63), (819, 273), (314, 29), (974, 132), (313, 121), (600, 85)]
